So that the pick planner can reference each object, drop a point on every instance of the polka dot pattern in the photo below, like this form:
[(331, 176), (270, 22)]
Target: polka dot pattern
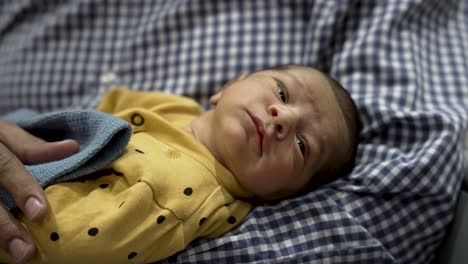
[(188, 191), (132, 255), (232, 220), (160, 219), (202, 221), (54, 236), (93, 231)]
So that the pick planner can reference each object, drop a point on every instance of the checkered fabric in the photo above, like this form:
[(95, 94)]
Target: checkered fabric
[(405, 62)]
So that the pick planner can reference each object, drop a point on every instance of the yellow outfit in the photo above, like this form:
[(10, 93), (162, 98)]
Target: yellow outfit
[(163, 192)]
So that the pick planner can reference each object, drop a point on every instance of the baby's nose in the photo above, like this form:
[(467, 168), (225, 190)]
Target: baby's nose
[(284, 120)]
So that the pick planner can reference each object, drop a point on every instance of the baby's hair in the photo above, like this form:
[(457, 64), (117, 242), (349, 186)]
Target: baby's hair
[(353, 124)]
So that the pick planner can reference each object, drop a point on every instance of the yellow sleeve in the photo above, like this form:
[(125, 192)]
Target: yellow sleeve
[(176, 109)]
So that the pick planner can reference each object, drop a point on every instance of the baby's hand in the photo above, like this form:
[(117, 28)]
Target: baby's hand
[(18, 147)]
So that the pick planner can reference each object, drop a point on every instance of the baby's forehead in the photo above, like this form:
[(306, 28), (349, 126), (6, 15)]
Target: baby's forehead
[(309, 77), (301, 69)]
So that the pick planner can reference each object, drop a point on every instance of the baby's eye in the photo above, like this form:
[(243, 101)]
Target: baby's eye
[(282, 92), (300, 142)]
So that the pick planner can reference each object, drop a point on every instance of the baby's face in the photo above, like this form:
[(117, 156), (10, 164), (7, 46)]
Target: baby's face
[(275, 129)]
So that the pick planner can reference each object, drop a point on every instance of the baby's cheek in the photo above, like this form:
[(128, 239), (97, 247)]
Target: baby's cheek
[(283, 165), (280, 173)]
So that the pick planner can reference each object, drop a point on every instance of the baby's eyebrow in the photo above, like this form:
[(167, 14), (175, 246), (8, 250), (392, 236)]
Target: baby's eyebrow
[(297, 81)]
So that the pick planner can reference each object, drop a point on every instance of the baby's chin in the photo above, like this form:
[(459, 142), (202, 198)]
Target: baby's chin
[(275, 196)]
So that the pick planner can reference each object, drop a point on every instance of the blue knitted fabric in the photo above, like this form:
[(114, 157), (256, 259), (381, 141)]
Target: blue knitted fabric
[(102, 138)]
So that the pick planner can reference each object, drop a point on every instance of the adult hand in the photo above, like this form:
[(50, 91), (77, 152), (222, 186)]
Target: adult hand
[(18, 147)]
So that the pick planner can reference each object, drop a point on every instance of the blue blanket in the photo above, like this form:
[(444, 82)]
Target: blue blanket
[(102, 138)]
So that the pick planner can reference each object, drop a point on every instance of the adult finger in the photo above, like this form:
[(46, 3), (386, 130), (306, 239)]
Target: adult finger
[(18, 147), (25, 190), (30, 149), (15, 240)]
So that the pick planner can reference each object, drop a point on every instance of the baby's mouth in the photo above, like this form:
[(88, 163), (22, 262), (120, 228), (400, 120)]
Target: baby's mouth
[(260, 131)]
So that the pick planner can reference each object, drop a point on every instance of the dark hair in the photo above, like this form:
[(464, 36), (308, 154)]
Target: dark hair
[(353, 125)]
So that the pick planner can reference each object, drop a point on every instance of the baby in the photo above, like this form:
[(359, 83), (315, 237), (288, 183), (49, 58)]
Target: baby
[(186, 173)]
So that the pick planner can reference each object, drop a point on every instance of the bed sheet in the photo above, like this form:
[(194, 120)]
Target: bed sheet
[(404, 62)]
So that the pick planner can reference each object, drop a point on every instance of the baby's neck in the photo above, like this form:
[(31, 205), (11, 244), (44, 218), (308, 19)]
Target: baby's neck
[(202, 129), (189, 130)]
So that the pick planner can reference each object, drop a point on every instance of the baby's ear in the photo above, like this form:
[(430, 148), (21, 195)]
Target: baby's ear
[(215, 98)]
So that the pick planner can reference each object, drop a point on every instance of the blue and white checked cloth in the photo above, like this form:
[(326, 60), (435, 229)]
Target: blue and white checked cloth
[(101, 137), (404, 61)]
